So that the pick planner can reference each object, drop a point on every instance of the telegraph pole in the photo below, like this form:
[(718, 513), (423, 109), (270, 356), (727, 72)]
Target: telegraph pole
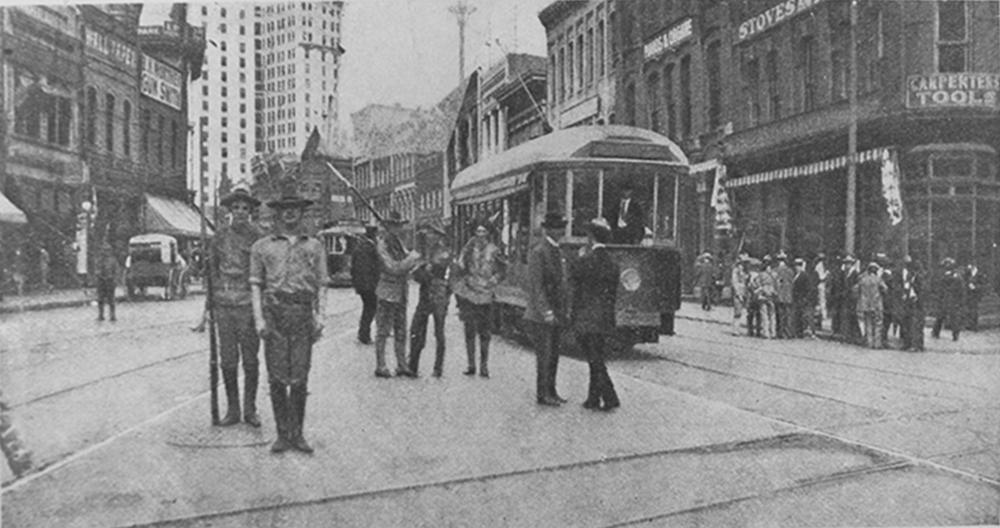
[(462, 11), (852, 132)]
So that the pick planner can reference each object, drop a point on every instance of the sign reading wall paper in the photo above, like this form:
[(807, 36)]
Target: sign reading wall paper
[(949, 90)]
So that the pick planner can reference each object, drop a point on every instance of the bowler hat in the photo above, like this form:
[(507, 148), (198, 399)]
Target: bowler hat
[(239, 194), (395, 218), (553, 221)]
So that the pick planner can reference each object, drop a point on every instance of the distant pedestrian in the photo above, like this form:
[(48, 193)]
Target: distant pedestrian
[(949, 299), (107, 273), (739, 279), (287, 276), (911, 325), (229, 264), (837, 295), (849, 315), (364, 278), (435, 292), (43, 269), (704, 273), (804, 300), (890, 303), (753, 299), (870, 293), (765, 289), (478, 272), (783, 277), (546, 307), (395, 264), (594, 280), (974, 285), (822, 275), (20, 275)]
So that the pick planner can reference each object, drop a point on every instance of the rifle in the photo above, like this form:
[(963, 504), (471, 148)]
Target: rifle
[(213, 346), (350, 186)]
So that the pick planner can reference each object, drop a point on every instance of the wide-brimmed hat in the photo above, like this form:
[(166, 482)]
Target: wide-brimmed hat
[(848, 258), (781, 256), (290, 197), (553, 221), (873, 266), (800, 260), (395, 218), (743, 257), (239, 194), (947, 262)]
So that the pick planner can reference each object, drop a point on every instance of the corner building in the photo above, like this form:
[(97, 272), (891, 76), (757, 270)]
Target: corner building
[(761, 88)]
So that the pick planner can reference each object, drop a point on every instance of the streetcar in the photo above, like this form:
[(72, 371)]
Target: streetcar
[(581, 172), (339, 241)]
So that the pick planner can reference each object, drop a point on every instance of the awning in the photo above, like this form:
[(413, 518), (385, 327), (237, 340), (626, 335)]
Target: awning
[(9, 213), (811, 169), (172, 217)]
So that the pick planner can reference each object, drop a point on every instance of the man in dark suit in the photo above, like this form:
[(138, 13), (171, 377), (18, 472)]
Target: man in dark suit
[(804, 298), (911, 324), (546, 308), (364, 278), (629, 221), (594, 277)]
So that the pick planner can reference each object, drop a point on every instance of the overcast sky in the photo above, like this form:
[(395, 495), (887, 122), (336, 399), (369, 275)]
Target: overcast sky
[(406, 51)]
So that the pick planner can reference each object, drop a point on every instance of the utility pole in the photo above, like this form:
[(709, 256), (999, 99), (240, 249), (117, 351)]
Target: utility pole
[(852, 132), (462, 11)]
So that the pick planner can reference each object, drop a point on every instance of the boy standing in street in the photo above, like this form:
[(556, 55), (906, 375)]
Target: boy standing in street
[(395, 264), (435, 293)]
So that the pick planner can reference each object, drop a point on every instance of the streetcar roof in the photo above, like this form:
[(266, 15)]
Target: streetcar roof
[(567, 147), (152, 238), (350, 229)]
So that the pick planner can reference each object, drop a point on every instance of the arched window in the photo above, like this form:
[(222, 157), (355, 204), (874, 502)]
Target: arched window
[(127, 128), (91, 116), (109, 123)]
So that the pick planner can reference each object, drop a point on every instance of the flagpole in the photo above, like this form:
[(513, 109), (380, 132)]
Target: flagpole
[(852, 133)]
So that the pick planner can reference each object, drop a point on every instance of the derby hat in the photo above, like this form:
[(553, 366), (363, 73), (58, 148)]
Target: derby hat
[(553, 221), (395, 218), (239, 194)]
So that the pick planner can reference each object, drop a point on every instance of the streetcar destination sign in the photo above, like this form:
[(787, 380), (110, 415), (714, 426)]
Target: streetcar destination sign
[(774, 16), (978, 90)]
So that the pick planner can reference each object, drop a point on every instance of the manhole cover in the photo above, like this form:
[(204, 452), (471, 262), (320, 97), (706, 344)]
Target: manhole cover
[(207, 436)]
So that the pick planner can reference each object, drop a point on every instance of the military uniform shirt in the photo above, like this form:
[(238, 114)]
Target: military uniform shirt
[(288, 264)]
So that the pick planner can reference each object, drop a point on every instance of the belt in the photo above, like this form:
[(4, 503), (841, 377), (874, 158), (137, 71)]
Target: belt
[(302, 298)]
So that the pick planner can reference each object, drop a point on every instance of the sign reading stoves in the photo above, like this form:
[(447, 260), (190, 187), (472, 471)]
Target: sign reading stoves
[(938, 90)]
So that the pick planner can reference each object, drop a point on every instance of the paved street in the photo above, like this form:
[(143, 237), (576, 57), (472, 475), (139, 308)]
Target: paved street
[(715, 430)]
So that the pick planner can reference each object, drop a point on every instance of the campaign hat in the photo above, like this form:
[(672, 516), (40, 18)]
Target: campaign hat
[(239, 194), (553, 221), (290, 197)]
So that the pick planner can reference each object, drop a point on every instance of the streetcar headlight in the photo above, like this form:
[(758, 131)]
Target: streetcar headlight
[(630, 279)]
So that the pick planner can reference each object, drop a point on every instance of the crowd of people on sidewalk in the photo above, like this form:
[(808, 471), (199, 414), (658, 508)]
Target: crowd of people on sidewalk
[(777, 297)]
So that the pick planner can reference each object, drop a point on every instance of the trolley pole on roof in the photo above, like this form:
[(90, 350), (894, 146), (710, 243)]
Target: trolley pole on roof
[(852, 131)]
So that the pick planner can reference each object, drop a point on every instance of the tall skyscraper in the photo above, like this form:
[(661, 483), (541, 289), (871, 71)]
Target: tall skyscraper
[(298, 73), (271, 74)]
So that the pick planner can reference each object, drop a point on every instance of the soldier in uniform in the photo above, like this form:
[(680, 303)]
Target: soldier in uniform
[(546, 308), (435, 293), (287, 273), (395, 264), (229, 263), (594, 277)]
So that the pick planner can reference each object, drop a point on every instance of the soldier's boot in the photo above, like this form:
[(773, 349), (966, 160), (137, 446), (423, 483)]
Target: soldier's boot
[(470, 349), (380, 369), (100, 311), (402, 366), (282, 412), (232, 397), (111, 309), (250, 378), (298, 411), (484, 356)]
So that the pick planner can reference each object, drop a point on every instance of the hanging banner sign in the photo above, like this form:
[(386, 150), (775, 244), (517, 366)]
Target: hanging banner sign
[(669, 39), (941, 90), (720, 201), (890, 187), (161, 81), (773, 16)]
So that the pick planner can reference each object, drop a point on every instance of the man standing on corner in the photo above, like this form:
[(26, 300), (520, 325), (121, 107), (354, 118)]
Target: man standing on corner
[(107, 276), (595, 282), (229, 262), (287, 273), (364, 278), (546, 308), (395, 264)]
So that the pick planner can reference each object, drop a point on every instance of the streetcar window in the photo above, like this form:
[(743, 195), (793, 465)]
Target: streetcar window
[(555, 196), (665, 207), (585, 192)]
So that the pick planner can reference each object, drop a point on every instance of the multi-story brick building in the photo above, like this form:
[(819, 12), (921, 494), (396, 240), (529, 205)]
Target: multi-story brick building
[(762, 88)]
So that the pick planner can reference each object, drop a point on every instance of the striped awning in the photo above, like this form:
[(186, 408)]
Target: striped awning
[(867, 156)]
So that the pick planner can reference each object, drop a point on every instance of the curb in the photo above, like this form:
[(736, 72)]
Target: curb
[(70, 303)]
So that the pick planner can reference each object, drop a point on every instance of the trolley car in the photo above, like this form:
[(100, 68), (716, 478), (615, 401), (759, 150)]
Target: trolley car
[(580, 172), (339, 241)]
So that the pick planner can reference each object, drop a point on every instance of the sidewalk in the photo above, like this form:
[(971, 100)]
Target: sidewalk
[(985, 341), (67, 298)]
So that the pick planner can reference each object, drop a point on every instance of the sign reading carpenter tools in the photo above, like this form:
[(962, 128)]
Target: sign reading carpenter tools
[(952, 89), (161, 82), (669, 39), (774, 16)]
